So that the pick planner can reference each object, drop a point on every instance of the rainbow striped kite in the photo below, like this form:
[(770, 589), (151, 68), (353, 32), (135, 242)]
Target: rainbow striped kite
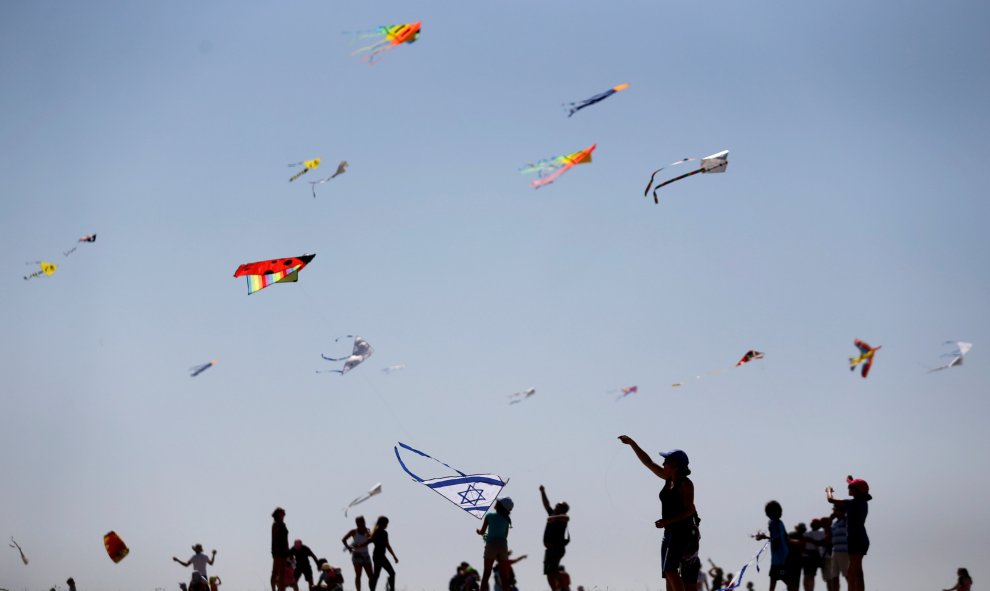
[(550, 169), (261, 274), (389, 37)]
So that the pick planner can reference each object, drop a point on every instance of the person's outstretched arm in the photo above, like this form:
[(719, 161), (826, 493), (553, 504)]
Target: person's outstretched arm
[(213, 557), (644, 457), (546, 501), (180, 562)]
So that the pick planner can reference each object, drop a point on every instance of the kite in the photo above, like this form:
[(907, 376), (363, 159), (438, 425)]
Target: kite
[(391, 368), (962, 348), (116, 548), (734, 583), (198, 369), (377, 489), (86, 238), (341, 169), (14, 544), (749, 356), (46, 269), (714, 163), (389, 37), (575, 107), (866, 354), (627, 391), (361, 352), (261, 274), (520, 396), (307, 165), (474, 493), (550, 169)]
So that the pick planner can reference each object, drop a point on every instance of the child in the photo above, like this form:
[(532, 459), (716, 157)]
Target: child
[(858, 541), (497, 525), (778, 543)]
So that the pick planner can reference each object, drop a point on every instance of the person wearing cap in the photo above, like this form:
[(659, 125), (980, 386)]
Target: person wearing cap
[(495, 530), (199, 560), (858, 542), (679, 516), (555, 539), (280, 549), (302, 553)]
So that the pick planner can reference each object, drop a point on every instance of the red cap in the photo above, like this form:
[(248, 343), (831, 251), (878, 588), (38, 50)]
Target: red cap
[(857, 485)]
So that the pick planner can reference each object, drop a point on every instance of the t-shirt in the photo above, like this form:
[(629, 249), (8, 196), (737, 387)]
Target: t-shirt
[(810, 547), (778, 542), (840, 543), (199, 562), (302, 554), (380, 540), (498, 527)]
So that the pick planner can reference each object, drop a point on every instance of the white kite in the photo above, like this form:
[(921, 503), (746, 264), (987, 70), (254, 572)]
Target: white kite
[(391, 368), (361, 352), (14, 544), (714, 163), (520, 396), (377, 489), (962, 348), (341, 169), (474, 493)]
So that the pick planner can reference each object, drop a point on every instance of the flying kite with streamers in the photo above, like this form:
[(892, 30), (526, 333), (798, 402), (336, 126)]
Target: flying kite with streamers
[(341, 169), (86, 238), (198, 369), (375, 490), (389, 37), (962, 348), (14, 544), (736, 581), (116, 548), (391, 368), (474, 493), (518, 397), (749, 356), (46, 269), (550, 169), (577, 106), (714, 163), (261, 274), (360, 353), (307, 165), (623, 392), (866, 354)]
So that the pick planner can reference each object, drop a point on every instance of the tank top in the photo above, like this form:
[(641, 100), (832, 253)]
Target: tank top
[(360, 538), (672, 504)]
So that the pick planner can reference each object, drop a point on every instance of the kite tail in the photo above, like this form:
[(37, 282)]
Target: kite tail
[(416, 451), (548, 179), (299, 174), (372, 47), (70, 251)]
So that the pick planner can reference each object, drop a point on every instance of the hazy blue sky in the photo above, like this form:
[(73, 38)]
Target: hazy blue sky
[(854, 207)]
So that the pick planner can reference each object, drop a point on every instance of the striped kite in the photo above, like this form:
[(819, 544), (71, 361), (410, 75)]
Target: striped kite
[(714, 163), (575, 107), (389, 37), (261, 274), (866, 354), (474, 493), (307, 165), (550, 169)]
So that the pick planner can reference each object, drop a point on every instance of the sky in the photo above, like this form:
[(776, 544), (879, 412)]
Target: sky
[(853, 207)]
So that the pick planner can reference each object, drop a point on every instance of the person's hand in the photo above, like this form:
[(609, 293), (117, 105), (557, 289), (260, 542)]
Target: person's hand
[(626, 439), (542, 489), (659, 523), (478, 531), (396, 560), (214, 552), (175, 559)]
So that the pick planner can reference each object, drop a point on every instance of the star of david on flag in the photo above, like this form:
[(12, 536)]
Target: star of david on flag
[(474, 493)]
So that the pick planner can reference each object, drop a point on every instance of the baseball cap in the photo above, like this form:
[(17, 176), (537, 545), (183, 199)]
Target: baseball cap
[(677, 455)]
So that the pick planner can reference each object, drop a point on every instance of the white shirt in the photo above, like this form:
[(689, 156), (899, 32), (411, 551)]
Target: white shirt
[(199, 562)]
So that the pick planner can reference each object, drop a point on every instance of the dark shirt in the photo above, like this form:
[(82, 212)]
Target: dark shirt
[(380, 540), (672, 505), (856, 511), (302, 555), (280, 540)]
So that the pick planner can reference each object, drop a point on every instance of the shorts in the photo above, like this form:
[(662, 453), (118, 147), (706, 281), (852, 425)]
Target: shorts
[(839, 564), (778, 572), (810, 564), (551, 560), (859, 548), (305, 572), (361, 558), (672, 551), (691, 569), (497, 550)]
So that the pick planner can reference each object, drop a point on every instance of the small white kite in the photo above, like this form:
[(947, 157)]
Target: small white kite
[(714, 163), (341, 169), (391, 368), (962, 348), (520, 396), (377, 489), (14, 544), (361, 352)]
